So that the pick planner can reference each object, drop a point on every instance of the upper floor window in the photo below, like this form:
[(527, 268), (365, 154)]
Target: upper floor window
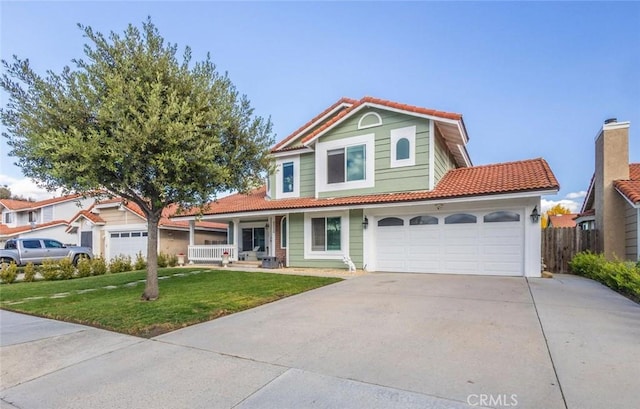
[(287, 177), (369, 120), (32, 217), (346, 164), (403, 147), (8, 218)]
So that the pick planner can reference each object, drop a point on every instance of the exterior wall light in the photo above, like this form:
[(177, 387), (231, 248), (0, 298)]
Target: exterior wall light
[(535, 216), (365, 223)]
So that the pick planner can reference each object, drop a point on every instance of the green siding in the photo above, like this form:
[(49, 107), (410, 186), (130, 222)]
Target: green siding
[(307, 175), (387, 179), (442, 158), (296, 243)]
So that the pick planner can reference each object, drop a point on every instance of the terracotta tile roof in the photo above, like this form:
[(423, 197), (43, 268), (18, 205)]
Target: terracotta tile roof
[(630, 188), (343, 100), (7, 231), (512, 177), (94, 218), (355, 105), (590, 212), (24, 204), (562, 220)]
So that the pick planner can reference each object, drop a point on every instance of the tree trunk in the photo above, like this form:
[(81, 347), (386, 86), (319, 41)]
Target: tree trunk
[(151, 290)]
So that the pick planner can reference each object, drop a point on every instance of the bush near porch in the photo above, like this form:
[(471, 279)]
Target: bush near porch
[(622, 276)]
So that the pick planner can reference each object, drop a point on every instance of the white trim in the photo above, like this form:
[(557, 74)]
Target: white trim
[(286, 263), (432, 155), (634, 205), (280, 194), (321, 163), (408, 133), (328, 114), (465, 155), (387, 108), (638, 233), (291, 152), (344, 236), (360, 126)]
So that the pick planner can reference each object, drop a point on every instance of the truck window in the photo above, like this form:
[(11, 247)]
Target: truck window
[(10, 245), (53, 244), (31, 244)]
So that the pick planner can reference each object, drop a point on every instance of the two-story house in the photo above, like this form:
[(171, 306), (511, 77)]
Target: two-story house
[(44, 218), (392, 187)]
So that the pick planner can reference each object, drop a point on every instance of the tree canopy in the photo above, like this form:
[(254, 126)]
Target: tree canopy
[(133, 120)]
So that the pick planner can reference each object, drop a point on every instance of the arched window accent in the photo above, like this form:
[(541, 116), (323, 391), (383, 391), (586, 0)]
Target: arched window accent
[(369, 120), (390, 221), (419, 220), (403, 149), (501, 216), (460, 218), (283, 232)]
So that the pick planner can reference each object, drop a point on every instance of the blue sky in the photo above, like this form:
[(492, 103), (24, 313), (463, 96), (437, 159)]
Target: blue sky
[(531, 79)]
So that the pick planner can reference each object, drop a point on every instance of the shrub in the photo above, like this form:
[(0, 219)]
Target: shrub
[(120, 264), (172, 260), (84, 267), (618, 275), (66, 267), (49, 270), (140, 263), (98, 266), (163, 260), (8, 272), (29, 272)]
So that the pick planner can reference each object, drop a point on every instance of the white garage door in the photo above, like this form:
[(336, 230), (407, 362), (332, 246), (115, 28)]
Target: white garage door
[(127, 243), (489, 243)]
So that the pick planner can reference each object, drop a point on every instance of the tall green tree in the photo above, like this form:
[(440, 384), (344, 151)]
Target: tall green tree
[(135, 121)]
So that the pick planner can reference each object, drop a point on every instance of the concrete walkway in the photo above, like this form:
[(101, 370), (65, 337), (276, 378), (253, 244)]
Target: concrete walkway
[(379, 340)]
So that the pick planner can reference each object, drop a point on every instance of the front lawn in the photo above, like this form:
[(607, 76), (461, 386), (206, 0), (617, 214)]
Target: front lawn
[(187, 296)]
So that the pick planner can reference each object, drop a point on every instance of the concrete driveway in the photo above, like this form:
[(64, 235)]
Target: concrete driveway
[(379, 340)]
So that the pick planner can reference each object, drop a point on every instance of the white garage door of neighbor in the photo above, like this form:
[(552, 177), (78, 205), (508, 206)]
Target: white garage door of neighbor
[(127, 243), (487, 243)]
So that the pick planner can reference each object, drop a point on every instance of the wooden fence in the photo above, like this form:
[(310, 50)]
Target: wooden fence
[(559, 245)]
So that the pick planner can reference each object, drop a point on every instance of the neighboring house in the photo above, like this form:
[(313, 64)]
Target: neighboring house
[(562, 220), (113, 227), (612, 204), (392, 187), (45, 218)]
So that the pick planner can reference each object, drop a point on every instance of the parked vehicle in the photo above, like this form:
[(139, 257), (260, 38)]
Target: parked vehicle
[(23, 251)]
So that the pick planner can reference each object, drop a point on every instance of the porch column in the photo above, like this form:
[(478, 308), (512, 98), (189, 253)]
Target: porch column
[(236, 236), (192, 232)]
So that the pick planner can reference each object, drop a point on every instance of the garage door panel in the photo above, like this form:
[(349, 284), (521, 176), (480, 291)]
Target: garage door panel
[(465, 248)]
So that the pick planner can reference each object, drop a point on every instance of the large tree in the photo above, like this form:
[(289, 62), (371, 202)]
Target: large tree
[(133, 120)]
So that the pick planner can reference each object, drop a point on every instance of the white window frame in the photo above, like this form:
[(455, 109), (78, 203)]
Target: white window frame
[(284, 227), (408, 133), (322, 148), (280, 194), (8, 218), (368, 114), (309, 254)]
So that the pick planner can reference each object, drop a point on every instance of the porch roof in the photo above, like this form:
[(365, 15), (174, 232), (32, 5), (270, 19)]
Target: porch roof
[(503, 178)]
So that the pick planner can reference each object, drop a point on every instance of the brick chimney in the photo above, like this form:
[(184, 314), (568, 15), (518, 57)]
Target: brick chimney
[(612, 163)]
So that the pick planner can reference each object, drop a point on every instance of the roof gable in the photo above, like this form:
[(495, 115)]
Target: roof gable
[(13, 204)]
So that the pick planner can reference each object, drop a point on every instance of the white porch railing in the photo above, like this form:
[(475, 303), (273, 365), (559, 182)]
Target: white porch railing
[(211, 252)]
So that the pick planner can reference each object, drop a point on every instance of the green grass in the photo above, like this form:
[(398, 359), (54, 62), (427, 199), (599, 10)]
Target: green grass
[(183, 301)]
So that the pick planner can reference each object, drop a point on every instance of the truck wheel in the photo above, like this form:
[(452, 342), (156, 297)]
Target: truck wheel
[(5, 260), (77, 258)]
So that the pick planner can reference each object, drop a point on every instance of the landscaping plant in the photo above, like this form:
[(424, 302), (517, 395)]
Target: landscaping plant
[(84, 267), (98, 266), (8, 272), (66, 268), (140, 263), (621, 276), (29, 273), (49, 270)]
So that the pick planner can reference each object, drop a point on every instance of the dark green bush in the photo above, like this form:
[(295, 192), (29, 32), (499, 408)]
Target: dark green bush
[(140, 263), (618, 275), (49, 270), (67, 269), (84, 267), (8, 272), (172, 260), (163, 260), (120, 264), (98, 266), (29, 272)]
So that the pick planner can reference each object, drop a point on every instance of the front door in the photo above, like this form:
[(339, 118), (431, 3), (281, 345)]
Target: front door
[(86, 239)]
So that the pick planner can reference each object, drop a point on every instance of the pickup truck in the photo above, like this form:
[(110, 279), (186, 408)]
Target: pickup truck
[(22, 251)]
